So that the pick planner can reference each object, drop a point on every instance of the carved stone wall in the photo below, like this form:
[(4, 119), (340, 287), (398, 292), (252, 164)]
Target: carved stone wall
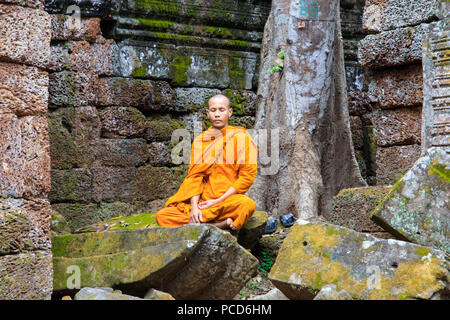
[(392, 91)]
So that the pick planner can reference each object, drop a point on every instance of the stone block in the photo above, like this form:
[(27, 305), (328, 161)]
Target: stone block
[(36, 4), (417, 208), (393, 48), (189, 262), (78, 214), (113, 184), (24, 35), (161, 128), (72, 131), (69, 88), (63, 28), (119, 152), (73, 185), (122, 122), (397, 126), (146, 95), (25, 170), (24, 225), (396, 87), (394, 161), (315, 254), (23, 89), (98, 58), (351, 208), (26, 276), (387, 15), (193, 98), (190, 66)]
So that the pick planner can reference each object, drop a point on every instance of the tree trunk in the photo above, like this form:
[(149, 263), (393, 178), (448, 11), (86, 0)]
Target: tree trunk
[(307, 102)]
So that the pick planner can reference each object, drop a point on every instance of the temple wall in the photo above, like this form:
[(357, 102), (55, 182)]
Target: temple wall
[(390, 102), (25, 211)]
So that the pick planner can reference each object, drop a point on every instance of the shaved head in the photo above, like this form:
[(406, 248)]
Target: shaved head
[(218, 98)]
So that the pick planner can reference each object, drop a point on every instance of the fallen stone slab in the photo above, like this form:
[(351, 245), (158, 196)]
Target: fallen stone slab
[(102, 294), (417, 207), (329, 292), (247, 237), (273, 294), (189, 262), (315, 254)]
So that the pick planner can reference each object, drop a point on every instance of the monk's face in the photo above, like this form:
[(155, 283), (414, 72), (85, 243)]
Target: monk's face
[(219, 111)]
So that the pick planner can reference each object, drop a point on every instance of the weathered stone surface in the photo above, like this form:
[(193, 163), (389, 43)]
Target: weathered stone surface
[(189, 66), (24, 35), (23, 89), (193, 98), (397, 126), (329, 292), (394, 161), (183, 261), (316, 254), (273, 294), (392, 48), (69, 88), (113, 184), (243, 102), (72, 131), (417, 208), (252, 230), (436, 75), (356, 127), (154, 294), (236, 13), (63, 28), (26, 276), (119, 152), (391, 14), (58, 224), (24, 225), (103, 293), (78, 214), (160, 154), (161, 128), (157, 182), (396, 87), (143, 94), (122, 122), (99, 58), (36, 4), (71, 185), (352, 208), (25, 170)]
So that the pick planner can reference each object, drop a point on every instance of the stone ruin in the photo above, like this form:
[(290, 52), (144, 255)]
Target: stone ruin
[(87, 110)]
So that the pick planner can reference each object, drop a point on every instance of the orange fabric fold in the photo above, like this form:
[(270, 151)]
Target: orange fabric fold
[(219, 159)]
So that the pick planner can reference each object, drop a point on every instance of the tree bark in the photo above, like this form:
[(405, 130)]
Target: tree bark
[(307, 102)]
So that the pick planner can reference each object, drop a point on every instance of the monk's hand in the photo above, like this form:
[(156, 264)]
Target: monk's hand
[(196, 215), (207, 203)]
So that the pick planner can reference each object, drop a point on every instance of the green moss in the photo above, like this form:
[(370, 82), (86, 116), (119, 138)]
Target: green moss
[(218, 32), (179, 67), (139, 72), (440, 170), (161, 7), (236, 73), (157, 24), (422, 251)]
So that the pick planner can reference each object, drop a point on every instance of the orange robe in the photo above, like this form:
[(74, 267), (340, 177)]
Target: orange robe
[(220, 159)]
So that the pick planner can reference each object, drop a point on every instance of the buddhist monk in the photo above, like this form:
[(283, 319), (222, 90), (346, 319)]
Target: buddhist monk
[(223, 167)]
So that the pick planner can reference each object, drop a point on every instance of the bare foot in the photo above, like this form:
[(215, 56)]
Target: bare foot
[(225, 224)]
